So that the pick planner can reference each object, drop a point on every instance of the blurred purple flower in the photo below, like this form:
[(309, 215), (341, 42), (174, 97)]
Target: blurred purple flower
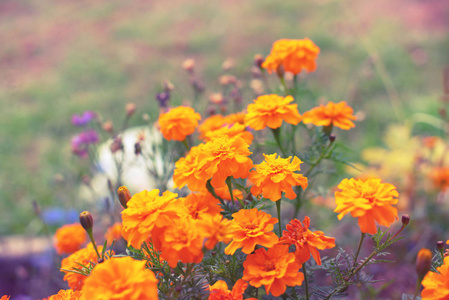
[(82, 140), (84, 119)]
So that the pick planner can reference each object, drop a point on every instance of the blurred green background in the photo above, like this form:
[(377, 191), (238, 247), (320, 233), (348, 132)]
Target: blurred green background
[(58, 58)]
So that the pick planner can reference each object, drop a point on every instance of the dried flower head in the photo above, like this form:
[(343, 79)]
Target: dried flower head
[(271, 110), (276, 175), (121, 278), (292, 55), (251, 227), (178, 123), (69, 238), (306, 242), (369, 200), (65, 295), (338, 115), (436, 285), (275, 269)]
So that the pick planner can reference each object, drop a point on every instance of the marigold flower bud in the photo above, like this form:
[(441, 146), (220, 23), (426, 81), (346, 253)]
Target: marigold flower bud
[(108, 126), (258, 60), (130, 109), (440, 245), (188, 65), (168, 86), (124, 196), (228, 64), (86, 220), (332, 138), (405, 220), (423, 262), (137, 148)]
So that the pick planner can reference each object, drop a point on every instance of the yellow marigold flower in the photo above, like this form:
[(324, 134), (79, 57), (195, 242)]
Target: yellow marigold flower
[(338, 115), (215, 160), (178, 123), (65, 295), (306, 242), (369, 200), (231, 131), (436, 285), (86, 256), (121, 278), (251, 227), (69, 238), (200, 204), (274, 269), (440, 177), (113, 233), (181, 240), (147, 210), (271, 110), (276, 175), (219, 291), (293, 55)]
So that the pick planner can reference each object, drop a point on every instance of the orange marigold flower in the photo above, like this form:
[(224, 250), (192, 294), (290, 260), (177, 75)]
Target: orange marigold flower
[(121, 278), (5, 297), (114, 233), (436, 285), (178, 123), (224, 194), (215, 160), (339, 115), (293, 55), (65, 295), (218, 121), (69, 238), (306, 242), (182, 240), (219, 291), (369, 200), (271, 110), (251, 227), (233, 130), (86, 256), (440, 177), (276, 175), (215, 229), (275, 269), (200, 204), (145, 211)]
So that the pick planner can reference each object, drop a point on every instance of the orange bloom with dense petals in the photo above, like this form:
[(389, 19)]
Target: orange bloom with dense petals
[(274, 269), (293, 55), (251, 227), (65, 295), (147, 210), (5, 297), (218, 121), (271, 110), (277, 175), (338, 115), (215, 160), (440, 177), (224, 194), (121, 278), (219, 291), (181, 240), (86, 256), (369, 200), (69, 238), (306, 242), (200, 204), (436, 285), (114, 233), (178, 123), (233, 130), (215, 229)]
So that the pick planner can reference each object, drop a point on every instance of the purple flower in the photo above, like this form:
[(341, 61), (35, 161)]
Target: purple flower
[(84, 119), (81, 141)]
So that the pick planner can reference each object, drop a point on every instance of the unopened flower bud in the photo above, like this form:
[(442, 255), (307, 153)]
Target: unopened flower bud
[(137, 148), (332, 138), (440, 245), (280, 71), (168, 86), (258, 60), (85, 179), (116, 145), (405, 220), (228, 64), (130, 109), (178, 289), (100, 260), (216, 98), (146, 117), (123, 195), (423, 262), (188, 65), (36, 208), (86, 220), (108, 126)]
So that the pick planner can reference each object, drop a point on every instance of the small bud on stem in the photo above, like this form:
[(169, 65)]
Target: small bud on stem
[(123, 195)]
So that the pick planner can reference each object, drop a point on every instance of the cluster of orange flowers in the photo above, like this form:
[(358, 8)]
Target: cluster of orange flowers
[(183, 229)]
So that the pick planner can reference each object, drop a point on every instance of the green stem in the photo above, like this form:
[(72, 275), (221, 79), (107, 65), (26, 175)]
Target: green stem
[(278, 208), (186, 144), (305, 280), (418, 287), (358, 249), (91, 236), (284, 85), (295, 84), (277, 137), (229, 184)]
